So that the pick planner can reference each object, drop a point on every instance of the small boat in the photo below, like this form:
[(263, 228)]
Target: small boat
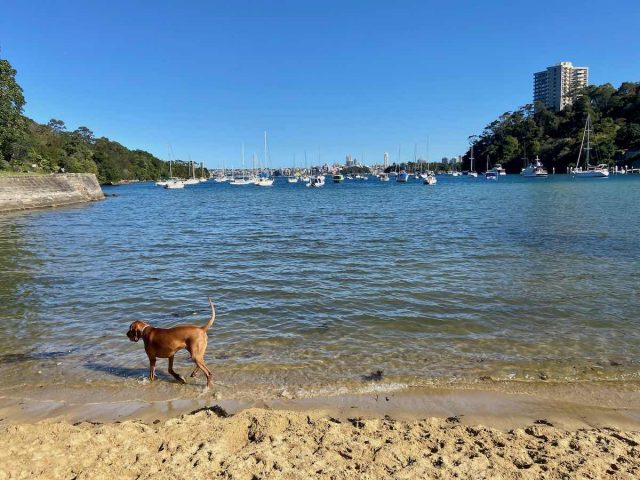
[(348, 177), (471, 172), (499, 169), (293, 179), (402, 177), (175, 184), (161, 183), (264, 179), (305, 179), (337, 178), (221, 179), (383, 177), (535, 169), (241, 181), (589, 171), (430, 179), (491, 175), (316, 181)]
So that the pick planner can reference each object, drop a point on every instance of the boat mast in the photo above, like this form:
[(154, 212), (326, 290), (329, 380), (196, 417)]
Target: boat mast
[(585, 134), (243, 161), (265, 149), (471, 159)]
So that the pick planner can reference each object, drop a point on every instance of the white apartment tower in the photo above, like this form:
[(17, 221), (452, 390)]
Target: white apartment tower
[(386, 160), (557, 86)]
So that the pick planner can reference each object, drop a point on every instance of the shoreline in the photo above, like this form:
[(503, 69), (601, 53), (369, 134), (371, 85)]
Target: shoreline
[(498, 406)]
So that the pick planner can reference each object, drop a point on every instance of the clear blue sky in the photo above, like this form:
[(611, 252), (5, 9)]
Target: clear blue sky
[(331, 77)]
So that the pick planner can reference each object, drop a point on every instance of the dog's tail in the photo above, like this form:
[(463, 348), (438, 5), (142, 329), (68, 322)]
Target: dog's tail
[(213, 316)]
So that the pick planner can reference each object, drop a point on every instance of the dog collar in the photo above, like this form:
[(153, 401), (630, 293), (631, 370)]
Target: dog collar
[(142, 332)]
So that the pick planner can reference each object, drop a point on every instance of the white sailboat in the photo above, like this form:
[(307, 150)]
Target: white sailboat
[(192, 171), (471, 172), (589, 171), (293, 177), (172, 183), (243, 180), (202, 177), (305, 178), (264, 179)]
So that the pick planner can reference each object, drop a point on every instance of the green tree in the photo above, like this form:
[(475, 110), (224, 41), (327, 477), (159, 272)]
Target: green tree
[(12, 125)]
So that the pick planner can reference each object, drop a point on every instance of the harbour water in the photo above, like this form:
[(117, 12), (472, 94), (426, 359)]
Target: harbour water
[(522, 280)]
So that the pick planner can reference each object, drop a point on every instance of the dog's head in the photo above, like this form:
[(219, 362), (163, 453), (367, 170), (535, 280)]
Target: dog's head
[(135, 330)]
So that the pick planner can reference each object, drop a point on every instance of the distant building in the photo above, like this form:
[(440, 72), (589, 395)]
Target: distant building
[(557, 86), (386, 159), (349, 161)]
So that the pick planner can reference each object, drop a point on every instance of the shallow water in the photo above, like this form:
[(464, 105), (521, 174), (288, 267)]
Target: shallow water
[(520, 279)]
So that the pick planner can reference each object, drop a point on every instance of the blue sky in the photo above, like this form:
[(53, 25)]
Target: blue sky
[(330, 77)]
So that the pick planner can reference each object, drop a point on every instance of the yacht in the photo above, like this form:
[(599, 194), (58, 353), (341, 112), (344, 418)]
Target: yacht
[(242, 180), (499, 169), (471, 172), (383, 177), (264, 179), (174, 184), (535, 169), (402, 177), (338, 177), (430, 179), (588, 171), (316, 181)]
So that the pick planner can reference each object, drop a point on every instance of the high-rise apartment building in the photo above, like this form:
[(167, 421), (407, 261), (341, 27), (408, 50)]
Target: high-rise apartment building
[(557, 86)]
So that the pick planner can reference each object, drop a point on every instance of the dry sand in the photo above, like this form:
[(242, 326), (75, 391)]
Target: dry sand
[(260, 443)]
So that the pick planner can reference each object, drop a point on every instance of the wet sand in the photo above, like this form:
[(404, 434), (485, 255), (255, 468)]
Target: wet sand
[(416, 433)]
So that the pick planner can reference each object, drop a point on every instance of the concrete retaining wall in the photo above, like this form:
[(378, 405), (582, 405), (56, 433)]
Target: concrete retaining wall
[(42, 191)]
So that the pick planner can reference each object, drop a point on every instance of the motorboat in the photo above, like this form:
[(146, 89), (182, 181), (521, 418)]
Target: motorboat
[(316, 181), (174, 184), (338, 177), (535, 169), (499, 169), (430, 179)]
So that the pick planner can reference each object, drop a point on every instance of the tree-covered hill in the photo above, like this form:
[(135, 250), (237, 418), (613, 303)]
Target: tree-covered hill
[(556, 136), (26, 146)]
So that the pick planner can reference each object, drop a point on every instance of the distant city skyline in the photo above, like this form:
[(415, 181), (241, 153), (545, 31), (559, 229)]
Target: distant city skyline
[(330, 78)]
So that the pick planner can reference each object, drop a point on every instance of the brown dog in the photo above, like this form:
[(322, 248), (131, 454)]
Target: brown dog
[(166, 342)]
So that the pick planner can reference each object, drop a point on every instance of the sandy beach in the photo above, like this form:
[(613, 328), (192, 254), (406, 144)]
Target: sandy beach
[(260, 443), (419, 434)]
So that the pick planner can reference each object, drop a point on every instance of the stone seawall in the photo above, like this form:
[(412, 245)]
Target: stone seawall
[(25, 192)]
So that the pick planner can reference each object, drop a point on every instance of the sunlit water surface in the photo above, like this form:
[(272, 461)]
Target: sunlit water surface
[(534, 280)]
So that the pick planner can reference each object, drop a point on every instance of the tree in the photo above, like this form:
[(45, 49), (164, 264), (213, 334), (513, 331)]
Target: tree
[(12, 125), (57, 126), (628, 136)]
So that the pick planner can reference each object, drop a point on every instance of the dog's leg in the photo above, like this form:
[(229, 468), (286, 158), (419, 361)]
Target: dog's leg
[(195, 371), (152, 368), (172, 372), (199, 361)]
